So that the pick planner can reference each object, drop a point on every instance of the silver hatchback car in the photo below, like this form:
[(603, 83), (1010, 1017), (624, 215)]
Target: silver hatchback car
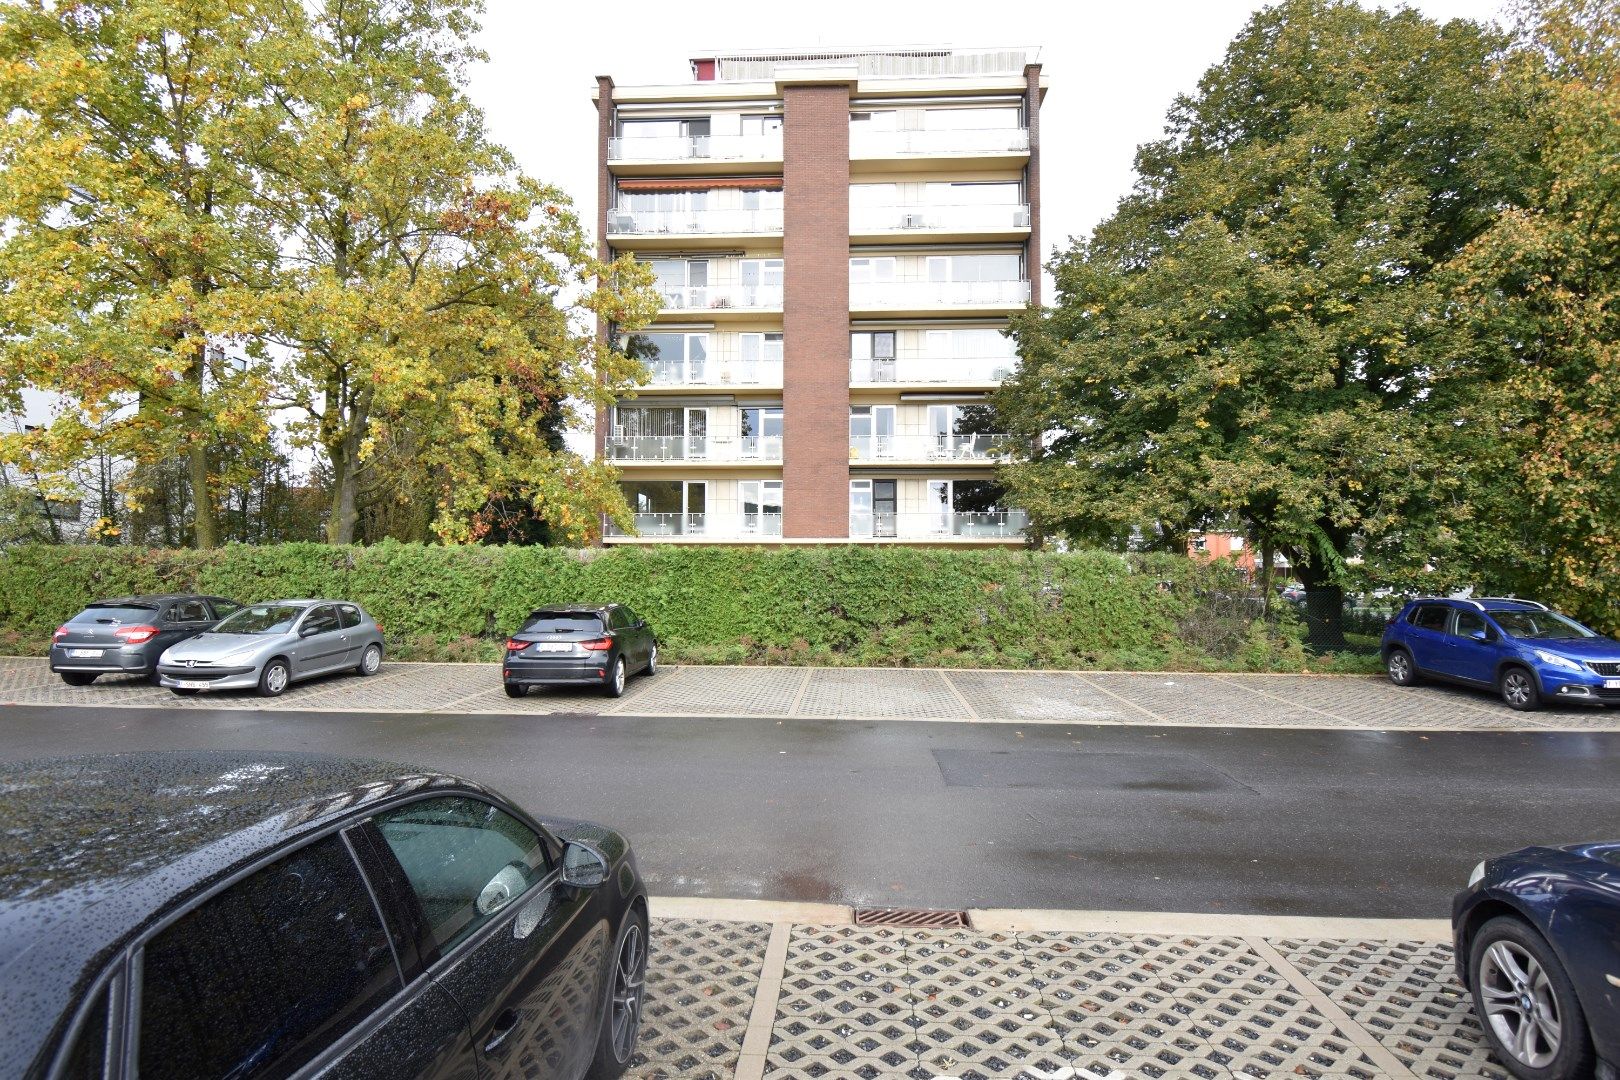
[(270, 646)]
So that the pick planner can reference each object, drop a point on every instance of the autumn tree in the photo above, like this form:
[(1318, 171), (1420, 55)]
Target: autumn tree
[(1251, 336), (127, 253), (430, 295)]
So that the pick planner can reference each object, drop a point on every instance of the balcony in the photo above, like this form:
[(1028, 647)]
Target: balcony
[(932, 371), (928, 449), (663, 449), (695, 148), (927, 296), (940, 525), (959, 145), (722, 298), (701, 527), (714, 372), (980, 221), (667, 227)]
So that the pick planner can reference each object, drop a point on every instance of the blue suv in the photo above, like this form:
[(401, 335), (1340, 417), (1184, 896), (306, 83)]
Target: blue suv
[(1519, 648)]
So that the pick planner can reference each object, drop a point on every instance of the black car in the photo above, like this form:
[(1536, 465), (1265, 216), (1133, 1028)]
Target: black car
[(240, 915), (1538, 946), (579, 644), (126, 635)]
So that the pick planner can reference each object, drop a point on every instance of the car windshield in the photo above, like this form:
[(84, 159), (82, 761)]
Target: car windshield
[(562, 622), (1547, 625), (94, 614), (261, 619)]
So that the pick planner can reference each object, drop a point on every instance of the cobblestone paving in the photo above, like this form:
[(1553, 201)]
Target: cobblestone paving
[(1045, 697), (867, 1003)]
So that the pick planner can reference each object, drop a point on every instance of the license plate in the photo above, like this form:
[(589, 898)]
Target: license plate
[(556, 646), (1611, 684), (191, 684), (85, 654)]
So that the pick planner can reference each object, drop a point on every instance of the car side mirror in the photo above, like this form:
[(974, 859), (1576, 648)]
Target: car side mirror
[(1481, 635), (583, 867), (308, 631)]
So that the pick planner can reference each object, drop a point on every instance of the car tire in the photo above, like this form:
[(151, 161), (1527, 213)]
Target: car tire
[(1402, 671), (275, 677), (615, 1044), (154, 678), (1518, 689), (613, 681), (1509, 964), (370, 660), (184, 691), (652, 663), (78, 678), (516, 690)]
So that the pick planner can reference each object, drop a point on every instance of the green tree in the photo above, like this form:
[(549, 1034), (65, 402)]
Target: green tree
[(430, 293), (1251, 335), (127, 253)]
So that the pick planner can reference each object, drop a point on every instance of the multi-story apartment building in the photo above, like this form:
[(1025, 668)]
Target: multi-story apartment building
[(839, 238)]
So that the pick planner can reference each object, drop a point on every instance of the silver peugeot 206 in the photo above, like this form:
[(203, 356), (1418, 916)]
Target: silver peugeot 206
[(268, 647)]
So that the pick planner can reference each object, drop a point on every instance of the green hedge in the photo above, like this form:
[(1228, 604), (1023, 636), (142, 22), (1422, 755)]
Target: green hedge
[(827, 605)]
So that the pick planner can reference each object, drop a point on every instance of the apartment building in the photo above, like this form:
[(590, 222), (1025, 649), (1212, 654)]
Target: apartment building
[(839, 238)]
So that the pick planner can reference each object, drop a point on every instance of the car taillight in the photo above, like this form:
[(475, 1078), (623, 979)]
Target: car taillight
[(599, 645), (135, 635), (61, 632), (513, 645)]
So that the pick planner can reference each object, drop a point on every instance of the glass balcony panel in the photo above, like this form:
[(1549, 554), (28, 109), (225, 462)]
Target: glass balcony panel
[(754, 147), (721, 297), (925, 217), (927, 447), (721, 222), (926, 294), (864, 143), (933, 370)]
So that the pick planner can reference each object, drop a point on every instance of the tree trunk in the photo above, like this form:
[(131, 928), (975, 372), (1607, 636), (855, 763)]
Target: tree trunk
[(206, 525), (340, 525), (1324, 612), (1267, 557)]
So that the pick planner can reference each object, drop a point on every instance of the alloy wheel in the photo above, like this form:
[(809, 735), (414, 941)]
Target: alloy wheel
[(1400, 668), (1520, 1006), (618, 677), (628, 976), (1517, 688)]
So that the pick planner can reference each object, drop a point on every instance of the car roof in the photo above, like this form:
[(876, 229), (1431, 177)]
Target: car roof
[(583, 609), (96, 846), (150, 598)]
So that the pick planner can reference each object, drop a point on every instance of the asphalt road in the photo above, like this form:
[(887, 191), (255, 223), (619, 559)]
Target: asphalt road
[(1278, 822)]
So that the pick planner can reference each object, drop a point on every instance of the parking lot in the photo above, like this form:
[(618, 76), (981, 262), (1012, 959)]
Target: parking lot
[(1021, 697)]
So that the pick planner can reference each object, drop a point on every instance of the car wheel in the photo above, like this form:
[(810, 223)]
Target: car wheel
[(1518, 689), (1402, 672), (78, 678), (613, 685), (154, 678), (516, 690), (274, 678), (183, 691), (1526, 1003), (621, 1019), (370, 660), (652, 662)]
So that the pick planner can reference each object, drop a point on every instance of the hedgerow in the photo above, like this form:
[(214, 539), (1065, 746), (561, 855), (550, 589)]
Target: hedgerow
[(848, 605)]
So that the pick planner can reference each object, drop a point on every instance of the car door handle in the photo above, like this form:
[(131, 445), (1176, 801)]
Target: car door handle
[(505, 1024)]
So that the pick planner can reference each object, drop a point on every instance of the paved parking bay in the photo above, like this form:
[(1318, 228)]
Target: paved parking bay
[(1017, 697), (838, 1002)]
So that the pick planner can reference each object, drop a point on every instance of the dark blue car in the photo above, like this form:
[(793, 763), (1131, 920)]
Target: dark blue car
[(1538, 946), (1518, 648)]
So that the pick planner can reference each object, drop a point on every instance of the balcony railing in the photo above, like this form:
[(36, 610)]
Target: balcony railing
[(933, 370), (697, 148), (968, 525), (724, 222), (708, 526), (721, 297), (925, 218), (927, 447), (929, 294), (654, 448), (713, 372), (866, 143)]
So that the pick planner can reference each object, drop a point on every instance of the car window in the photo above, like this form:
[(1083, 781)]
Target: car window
[(466, 861), (188, 611), (1430, 616), (87, 1058), (562, 622), (1469, 623), (261, 978), (261, 619), (628, 616), (348, 616), (1547, 625), (110, 615), (223, 607), (322, 620)]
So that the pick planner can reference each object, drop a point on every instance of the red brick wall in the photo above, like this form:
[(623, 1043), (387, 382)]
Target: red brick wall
[(815, 324), (1033, 255)]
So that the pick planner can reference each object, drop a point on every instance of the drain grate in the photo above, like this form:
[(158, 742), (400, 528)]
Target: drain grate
[(936, 920)]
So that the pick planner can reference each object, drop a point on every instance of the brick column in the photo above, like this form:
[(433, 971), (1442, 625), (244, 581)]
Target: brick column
[(1033, 256), (815, 317), (604, 195)]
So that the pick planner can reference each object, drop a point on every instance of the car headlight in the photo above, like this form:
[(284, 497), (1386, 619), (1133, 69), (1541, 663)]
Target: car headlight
[(1477, 874), (1556, 661)]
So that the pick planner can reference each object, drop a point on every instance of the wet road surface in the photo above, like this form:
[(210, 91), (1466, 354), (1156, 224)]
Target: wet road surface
[(1281, 822)]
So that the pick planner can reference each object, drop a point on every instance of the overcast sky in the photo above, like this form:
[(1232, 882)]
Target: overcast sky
[(1113, 70)]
